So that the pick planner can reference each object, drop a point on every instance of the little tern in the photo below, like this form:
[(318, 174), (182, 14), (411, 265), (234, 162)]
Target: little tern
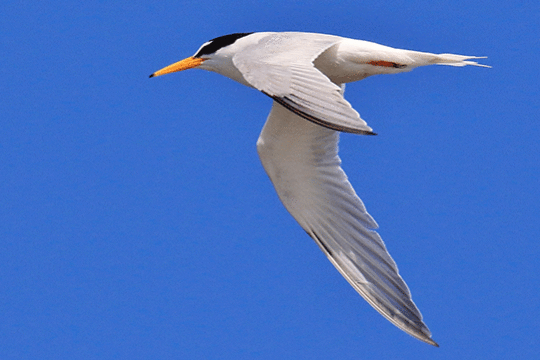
[(305, 75)]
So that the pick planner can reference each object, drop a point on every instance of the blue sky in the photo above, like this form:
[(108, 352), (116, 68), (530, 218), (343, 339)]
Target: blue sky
[(136, 221)]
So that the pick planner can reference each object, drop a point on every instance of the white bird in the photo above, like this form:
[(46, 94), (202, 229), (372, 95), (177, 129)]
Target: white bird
[(305, 74)]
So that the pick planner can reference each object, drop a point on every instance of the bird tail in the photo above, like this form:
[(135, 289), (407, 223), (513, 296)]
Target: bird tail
[(457, 60)]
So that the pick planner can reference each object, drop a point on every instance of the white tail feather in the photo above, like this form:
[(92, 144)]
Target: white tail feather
[(458, 60)]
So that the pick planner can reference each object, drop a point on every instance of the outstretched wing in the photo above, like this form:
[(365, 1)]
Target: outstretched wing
[(302, 161), (281, 66)]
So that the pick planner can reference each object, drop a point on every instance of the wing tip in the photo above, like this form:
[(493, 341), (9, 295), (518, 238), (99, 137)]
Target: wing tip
[(430, 341), (422, 333)]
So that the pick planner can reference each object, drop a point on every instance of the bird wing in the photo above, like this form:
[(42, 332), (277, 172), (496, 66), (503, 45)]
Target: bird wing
[(302, 162), (281, 66)]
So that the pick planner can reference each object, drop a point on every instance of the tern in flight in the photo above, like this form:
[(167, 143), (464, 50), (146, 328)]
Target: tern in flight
[(305, 75)]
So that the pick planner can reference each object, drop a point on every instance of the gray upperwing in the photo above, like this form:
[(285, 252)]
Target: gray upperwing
[(288, 75)]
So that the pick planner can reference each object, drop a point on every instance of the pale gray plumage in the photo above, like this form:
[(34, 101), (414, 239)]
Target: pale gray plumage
[(299, 85)]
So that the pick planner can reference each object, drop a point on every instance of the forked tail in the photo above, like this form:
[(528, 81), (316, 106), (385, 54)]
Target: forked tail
[(457, 60)]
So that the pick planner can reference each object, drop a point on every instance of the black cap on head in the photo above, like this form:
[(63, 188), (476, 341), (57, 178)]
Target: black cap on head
[(215, 44)]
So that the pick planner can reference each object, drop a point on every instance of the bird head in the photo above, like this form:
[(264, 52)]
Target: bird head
[(207, 51)]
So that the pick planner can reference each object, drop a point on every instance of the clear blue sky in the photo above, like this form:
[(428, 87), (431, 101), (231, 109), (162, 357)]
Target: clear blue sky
[(136, 221)]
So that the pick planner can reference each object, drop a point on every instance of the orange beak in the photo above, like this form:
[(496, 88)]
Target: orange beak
[(185, 64)]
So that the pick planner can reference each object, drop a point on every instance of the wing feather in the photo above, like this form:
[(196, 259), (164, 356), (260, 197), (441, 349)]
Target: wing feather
[(302, 161), (290, 78)]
